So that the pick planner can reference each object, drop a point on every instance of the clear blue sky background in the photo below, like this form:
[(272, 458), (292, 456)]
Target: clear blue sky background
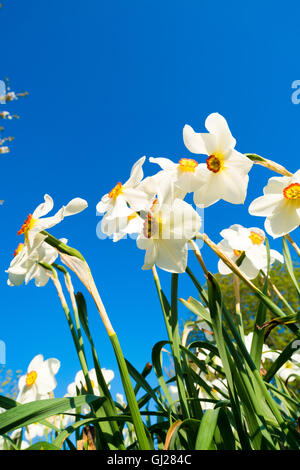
[(110, 82)]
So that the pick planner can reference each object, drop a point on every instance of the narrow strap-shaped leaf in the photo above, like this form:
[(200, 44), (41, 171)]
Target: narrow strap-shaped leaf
[(207, 429), (289, 264), (144, 384), (33, 412)]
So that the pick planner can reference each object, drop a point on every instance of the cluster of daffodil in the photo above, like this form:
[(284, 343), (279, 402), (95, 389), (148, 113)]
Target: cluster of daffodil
[(227, 382), (39, 383)]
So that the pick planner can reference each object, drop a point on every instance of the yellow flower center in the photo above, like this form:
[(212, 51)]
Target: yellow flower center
[(116, 191), (28, 224), (292, 191), (256, 238), (215, 163), (92, 384), (17, 251), (131, 217), (288, 365), (187, 164), (31, 378)]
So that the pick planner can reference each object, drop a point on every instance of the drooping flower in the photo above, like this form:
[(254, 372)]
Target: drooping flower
[(167, 228), (225, 174), (249, 242), (39, 379), (36, 222), (280, 204), (26, 266), (124, 199)]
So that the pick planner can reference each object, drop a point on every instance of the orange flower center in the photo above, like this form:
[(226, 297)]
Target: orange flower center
[(17, 251), (187, 164), (116, 191), (31, 378), (214, 163), (256, 238), (237, 253), (28, 224), (292, 191), (150, 226)]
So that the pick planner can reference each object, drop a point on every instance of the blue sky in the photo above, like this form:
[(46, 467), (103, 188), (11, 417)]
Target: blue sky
[(109, 82)]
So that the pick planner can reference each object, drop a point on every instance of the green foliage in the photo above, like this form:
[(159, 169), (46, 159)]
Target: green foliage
[(281, 336)]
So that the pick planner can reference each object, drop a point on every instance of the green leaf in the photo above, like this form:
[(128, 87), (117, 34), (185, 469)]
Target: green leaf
[(43, 445), (289, 264), (144, 384), (207, 429), (33, 412), (254, 158), (197, 308)]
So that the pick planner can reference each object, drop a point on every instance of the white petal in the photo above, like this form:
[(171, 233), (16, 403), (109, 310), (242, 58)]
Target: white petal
[(45, 381), (43, 208), (223, 268), (186, 222), (247, 268), (172, 255), (108, 375), (276, 184), (137, 200), (151, 255), (104, 205), (36, 363), (276, 255), (136, 174), (53, 365), (119, 209), (44, 224), (238, 161), (164, 163), (284, 220), (265, 205), (199, 143), (217, 125), (75, 206)]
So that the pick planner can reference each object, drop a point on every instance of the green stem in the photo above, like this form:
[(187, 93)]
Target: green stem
[(129, 392)]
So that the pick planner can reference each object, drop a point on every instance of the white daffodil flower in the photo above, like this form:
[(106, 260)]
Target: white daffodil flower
[(25, 264), (122, 204), (267, 353), (80, 383), (123, 226), (120, 399), (173, 390), (280, 204), (166, 230), (39, 380), (238, 240), (115, 203), (35, 430), (225, 174), (290, 368), (36, 222), (185, 173)]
